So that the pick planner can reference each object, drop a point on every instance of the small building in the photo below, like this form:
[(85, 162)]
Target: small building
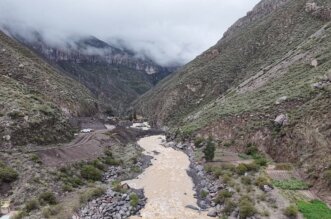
[(5, 207)]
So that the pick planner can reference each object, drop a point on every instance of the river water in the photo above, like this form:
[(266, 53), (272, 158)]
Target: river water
[(167, 186)]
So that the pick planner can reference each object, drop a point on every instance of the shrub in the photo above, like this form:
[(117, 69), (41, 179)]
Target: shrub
[(203, 193), (35, 158), (246, 180), (241, 169), (15, 114), (262, 161), (111, 161), (91, 194), (198, 142), (246, 208), (222, 196), (134, 199), (290, 184), (261, 181), (31, 205), (7, 174), (47, 198), (67, 188), (49, 211), (251, 149), (89, 172), (291, 211), (98, 164), (209, 151), (253, 166), (229, 207), (108, 153), (327, 176)]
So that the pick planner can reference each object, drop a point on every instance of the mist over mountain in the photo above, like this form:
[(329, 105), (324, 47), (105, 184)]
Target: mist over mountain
[(168, 32)]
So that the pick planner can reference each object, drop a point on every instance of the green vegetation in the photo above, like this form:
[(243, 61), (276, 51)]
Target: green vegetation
[(246, 180), (50, 211), (246, 208), (229, 207), (241, 169), (314, 209), (283, 166), (89, 172), (31, 205), (223, 196), (134, 199), (198, 142), (291, 211), (203, 193), (209, 151), (261, 181), (327, 177), (47, 198), (7, 174), (91, 194), (35, 158), (291, 184)]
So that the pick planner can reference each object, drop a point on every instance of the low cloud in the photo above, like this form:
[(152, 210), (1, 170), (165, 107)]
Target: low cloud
[(167, 31)]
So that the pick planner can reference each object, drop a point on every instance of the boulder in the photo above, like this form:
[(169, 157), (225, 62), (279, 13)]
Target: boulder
[(266, 188), (281, 119), (281, 99), (7, 137), (314, 63), (212, 212), (317, 85)]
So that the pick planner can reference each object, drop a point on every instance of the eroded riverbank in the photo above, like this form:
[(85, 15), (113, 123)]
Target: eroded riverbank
[(166, 184)]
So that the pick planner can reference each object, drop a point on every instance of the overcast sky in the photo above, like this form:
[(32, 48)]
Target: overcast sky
[(169, 31)]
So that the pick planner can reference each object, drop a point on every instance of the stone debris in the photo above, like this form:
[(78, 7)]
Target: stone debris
[(281, 119), (113, 204)]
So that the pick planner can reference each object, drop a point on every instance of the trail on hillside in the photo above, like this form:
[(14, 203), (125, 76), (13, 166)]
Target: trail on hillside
[(166, 184)]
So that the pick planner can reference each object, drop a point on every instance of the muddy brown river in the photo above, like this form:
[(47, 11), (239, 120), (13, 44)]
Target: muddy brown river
[(167, 186)]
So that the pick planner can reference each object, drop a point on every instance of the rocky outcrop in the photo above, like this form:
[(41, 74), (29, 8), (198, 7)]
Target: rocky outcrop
[(322, 12), (117, 205)]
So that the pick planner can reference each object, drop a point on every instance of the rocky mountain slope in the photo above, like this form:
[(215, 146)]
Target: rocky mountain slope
[(116, 76), (266, 82), (36, 100)]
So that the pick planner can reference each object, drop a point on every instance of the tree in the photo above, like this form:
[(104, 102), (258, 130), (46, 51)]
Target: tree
[(209, 151)]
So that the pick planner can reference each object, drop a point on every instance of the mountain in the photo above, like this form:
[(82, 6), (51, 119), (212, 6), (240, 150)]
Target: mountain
[(37, 100), (116, 76), (266, 82)]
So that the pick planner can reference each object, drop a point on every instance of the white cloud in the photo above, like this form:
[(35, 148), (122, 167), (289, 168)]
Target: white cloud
[(167, 30)]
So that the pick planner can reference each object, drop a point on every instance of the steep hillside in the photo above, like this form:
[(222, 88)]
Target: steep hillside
[(116, 76), (275, 62), (36, 100)]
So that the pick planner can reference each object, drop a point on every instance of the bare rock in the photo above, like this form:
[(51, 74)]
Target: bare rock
[(7, 137), (212, 212), (281, 119), (314, 63), (281, 99)]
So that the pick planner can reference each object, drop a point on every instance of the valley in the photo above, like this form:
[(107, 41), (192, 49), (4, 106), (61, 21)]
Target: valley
[(92, 129)]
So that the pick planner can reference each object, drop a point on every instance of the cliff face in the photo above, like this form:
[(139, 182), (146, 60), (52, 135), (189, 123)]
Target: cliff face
[(36, 100), (274, 62), (117, 77)]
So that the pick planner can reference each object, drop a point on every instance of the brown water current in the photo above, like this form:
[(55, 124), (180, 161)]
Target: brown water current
[(167, 186)]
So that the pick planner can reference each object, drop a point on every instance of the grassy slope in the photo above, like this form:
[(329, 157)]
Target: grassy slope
[(237, 82), (117, 86), (35, 98), (239, 55)]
